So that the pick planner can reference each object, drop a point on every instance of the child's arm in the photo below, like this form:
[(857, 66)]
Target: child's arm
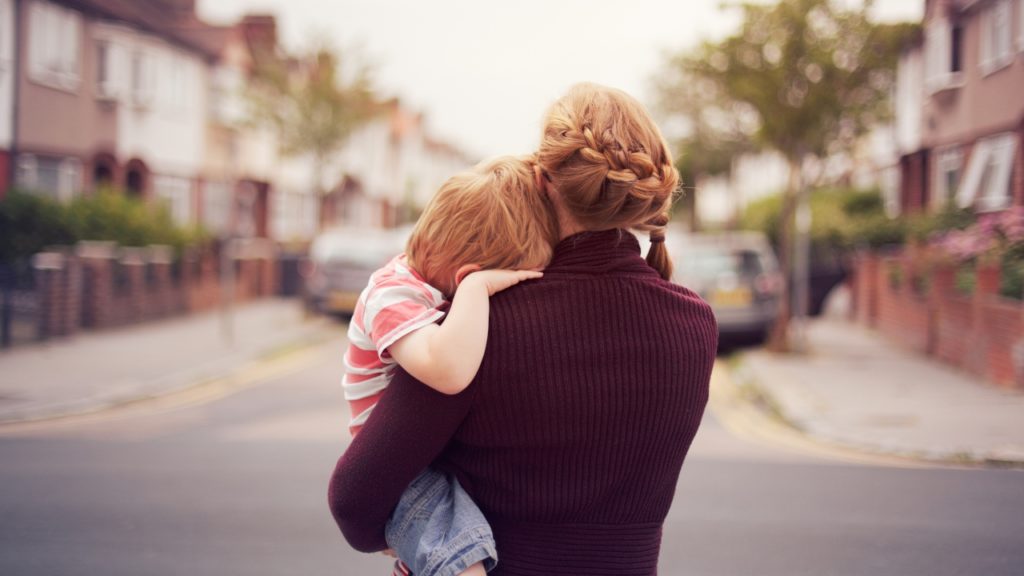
[(446, 357)]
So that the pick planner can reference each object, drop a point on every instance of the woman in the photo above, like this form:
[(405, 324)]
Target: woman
[(572, 435)]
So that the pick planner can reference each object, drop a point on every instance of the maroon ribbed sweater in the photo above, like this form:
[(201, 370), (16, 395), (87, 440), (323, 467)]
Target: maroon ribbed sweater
[(572, 435)]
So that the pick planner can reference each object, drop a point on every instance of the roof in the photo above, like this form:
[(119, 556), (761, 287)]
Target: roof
[(174, 20)]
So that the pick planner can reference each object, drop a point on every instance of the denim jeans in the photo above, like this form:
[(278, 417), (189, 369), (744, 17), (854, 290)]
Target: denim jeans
[(437, 530)]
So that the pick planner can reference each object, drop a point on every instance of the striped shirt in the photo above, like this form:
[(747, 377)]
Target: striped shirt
[(396, 302)]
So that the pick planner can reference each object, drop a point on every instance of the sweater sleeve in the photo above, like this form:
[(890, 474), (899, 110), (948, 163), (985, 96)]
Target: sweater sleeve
[(406, 431)]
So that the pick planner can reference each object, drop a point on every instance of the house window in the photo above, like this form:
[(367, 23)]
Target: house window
[(111, 68), (217, 206), (6, 36), (943, 55), (996, 37), (142, 78), (956, 63), (948, 168), (987, 181), (53, 50), (176, 193), (57, 178), (1020, 25)]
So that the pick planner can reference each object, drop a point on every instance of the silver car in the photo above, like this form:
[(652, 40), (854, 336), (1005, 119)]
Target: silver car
[(340, 264), (737, 274)]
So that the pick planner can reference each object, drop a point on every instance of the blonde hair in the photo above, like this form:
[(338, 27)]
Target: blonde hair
[(610, 165), (492, 215)]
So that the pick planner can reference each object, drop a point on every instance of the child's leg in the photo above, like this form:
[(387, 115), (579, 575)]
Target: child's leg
[(474, 570), (437, 530)]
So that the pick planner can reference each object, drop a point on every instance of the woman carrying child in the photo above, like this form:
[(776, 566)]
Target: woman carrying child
[(594, 377)]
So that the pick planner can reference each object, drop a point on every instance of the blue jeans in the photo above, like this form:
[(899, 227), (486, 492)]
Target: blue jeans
[(437, 530)]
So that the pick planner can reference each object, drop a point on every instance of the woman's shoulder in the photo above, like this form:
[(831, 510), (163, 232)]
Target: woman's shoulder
[(637, 293)]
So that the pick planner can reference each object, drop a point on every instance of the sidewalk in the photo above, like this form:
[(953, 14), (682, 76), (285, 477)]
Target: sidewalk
[(97, 370), (854, 389)]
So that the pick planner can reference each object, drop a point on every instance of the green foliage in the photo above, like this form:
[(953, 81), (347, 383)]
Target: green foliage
[(108, 215), (922, 227), (1011, 284), (965, 278), (311, 105), (841, 219), (29, 223), (804, 77), (863, 203)]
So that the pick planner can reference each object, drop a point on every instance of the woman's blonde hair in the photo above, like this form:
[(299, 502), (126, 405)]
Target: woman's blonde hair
[(492, 215), (610, 165)]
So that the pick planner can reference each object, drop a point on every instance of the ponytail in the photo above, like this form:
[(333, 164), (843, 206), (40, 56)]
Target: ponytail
[(657, 254)]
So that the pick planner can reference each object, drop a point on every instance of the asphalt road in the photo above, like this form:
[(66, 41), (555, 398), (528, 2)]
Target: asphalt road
[(235, 484)]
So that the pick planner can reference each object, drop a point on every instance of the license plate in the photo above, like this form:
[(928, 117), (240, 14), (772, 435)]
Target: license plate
[(731, 298)]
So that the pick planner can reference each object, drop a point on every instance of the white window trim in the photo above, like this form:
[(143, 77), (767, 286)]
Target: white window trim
[(938, 58), (178, 194), (40, 14), (27, 166), (70, 179), (1004, 145), (944, 158), (988, 18), (1020, 25)]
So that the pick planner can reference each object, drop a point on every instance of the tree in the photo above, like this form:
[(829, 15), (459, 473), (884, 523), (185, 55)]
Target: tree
[(311, 104), (714, 133), (803, 77)]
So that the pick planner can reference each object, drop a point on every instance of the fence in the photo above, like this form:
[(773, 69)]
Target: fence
[(951, 313), (19, 304), (97, 285)]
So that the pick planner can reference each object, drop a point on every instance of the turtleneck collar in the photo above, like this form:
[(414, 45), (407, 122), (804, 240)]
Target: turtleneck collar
[(599, 252)]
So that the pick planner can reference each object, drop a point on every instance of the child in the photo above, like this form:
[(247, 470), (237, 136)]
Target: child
[(486, 229)]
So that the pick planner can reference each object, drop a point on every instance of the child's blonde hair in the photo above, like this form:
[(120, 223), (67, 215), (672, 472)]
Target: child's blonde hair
[(492, 215)]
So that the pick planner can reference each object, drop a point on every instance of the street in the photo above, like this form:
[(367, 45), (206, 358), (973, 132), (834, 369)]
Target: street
[(233, 482)]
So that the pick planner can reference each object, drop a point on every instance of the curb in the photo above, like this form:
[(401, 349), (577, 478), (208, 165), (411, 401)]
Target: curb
[(739, 395), (222, 379)]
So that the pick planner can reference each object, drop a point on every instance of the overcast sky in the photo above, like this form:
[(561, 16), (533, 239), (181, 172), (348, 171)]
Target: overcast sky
[(485, 71)]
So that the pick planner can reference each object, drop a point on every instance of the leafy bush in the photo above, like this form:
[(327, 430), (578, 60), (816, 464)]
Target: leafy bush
[(840, 219), (30, 222), (1012, 278)]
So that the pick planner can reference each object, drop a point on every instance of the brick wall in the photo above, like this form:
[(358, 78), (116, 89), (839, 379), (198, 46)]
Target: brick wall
[(100, 285), (917, 303)]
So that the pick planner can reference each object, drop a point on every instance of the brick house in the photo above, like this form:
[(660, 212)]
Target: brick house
[(959, 113), (109, 93)]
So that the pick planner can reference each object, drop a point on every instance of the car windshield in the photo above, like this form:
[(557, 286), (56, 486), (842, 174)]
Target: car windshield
[(366, 248), (713, 262)]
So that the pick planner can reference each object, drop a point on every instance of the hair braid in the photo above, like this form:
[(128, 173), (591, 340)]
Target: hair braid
[(610, 165)]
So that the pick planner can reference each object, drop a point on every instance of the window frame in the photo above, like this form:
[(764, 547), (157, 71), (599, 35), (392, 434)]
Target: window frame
[(995, 152), (995, 50), (938, 55), (54, 47), (945, 158)]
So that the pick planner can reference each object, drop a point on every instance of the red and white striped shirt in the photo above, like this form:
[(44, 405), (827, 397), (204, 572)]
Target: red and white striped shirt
[(396, 302)]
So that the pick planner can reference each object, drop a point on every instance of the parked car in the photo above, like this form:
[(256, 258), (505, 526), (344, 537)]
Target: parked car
[(341, 261), (737, 273)]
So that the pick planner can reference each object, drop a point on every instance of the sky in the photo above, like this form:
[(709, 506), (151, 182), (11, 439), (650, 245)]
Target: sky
[(484, 72)]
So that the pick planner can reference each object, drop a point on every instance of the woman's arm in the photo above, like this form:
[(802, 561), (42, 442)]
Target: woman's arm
[(447, 356), (407, 430)]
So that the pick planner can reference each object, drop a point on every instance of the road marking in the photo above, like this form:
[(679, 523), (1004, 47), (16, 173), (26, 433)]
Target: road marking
[(253, 374), (748, 422)]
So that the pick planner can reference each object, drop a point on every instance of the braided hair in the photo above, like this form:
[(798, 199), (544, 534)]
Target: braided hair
[(610, 165)]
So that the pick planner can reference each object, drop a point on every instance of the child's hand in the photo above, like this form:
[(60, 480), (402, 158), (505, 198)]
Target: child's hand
[(497, 280)]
